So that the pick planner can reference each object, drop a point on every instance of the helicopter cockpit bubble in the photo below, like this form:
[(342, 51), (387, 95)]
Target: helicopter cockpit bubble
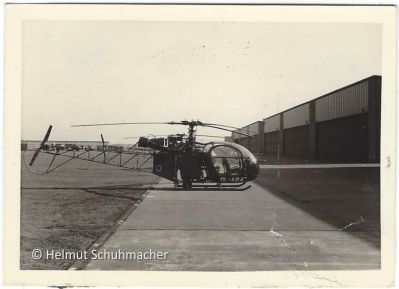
[(231, 160)]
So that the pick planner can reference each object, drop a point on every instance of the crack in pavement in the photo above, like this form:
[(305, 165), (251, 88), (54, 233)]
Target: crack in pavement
[(352, 224)]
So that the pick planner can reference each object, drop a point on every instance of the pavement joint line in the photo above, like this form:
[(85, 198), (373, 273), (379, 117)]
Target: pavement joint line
[(80, 264), (320, 166)]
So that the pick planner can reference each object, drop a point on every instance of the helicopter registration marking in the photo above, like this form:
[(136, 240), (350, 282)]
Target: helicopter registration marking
[(231, 179)]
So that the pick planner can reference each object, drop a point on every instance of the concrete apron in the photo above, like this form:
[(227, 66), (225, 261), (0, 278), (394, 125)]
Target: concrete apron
[(234, 231)]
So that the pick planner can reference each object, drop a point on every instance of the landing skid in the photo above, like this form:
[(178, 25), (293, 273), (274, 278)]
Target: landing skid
[(217, 187)]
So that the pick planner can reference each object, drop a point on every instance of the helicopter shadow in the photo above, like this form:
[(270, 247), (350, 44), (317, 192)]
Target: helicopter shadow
[(169, 188), (164, 187)]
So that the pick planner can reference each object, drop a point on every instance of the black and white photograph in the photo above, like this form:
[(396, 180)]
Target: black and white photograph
[(233, 141)]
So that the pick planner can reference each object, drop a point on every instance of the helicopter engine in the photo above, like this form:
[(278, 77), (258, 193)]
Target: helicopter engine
[(153, 143)]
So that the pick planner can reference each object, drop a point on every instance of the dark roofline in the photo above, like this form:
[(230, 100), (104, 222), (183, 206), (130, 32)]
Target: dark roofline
[(327, 94)]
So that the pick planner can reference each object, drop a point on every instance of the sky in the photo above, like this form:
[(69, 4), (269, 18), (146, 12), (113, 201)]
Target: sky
[(232, 73)]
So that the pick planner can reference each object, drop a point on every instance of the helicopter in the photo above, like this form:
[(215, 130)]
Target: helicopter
[(179, 158)]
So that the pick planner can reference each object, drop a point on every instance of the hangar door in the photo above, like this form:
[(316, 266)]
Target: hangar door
[(271, 142), (343, 139), (296, 142)]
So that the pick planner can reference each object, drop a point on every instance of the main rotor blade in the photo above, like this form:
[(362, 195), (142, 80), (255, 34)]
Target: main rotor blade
[(164, 135), (213, 125), (225, 129), (120, 123), (205, 135), (228, 126), (222, 125)]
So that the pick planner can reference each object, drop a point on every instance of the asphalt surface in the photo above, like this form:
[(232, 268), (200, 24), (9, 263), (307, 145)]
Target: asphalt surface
[(293, 219)]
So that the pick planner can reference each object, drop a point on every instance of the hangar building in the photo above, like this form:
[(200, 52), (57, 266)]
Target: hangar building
[(341, 126)]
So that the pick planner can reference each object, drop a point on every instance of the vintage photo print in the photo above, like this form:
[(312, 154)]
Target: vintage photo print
[(199, 145)]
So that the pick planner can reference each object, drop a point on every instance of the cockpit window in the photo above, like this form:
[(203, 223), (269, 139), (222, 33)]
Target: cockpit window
[(225, 152), (246, 154), (227, 161)]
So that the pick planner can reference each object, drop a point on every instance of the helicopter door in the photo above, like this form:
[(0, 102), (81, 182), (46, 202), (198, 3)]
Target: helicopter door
[(228, 162)]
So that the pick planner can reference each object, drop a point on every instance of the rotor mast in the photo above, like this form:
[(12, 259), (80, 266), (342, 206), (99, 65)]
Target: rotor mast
[(191, 131)]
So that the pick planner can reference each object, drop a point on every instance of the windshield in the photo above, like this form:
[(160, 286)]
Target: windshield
[(225, 152), (226, 148)]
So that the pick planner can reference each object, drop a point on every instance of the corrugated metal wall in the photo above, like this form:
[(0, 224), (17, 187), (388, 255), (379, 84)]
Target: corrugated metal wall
[(253, 129), (339, 126), (252, 142), (243, 131), (297, 116), (272, 123), (350, 101)]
